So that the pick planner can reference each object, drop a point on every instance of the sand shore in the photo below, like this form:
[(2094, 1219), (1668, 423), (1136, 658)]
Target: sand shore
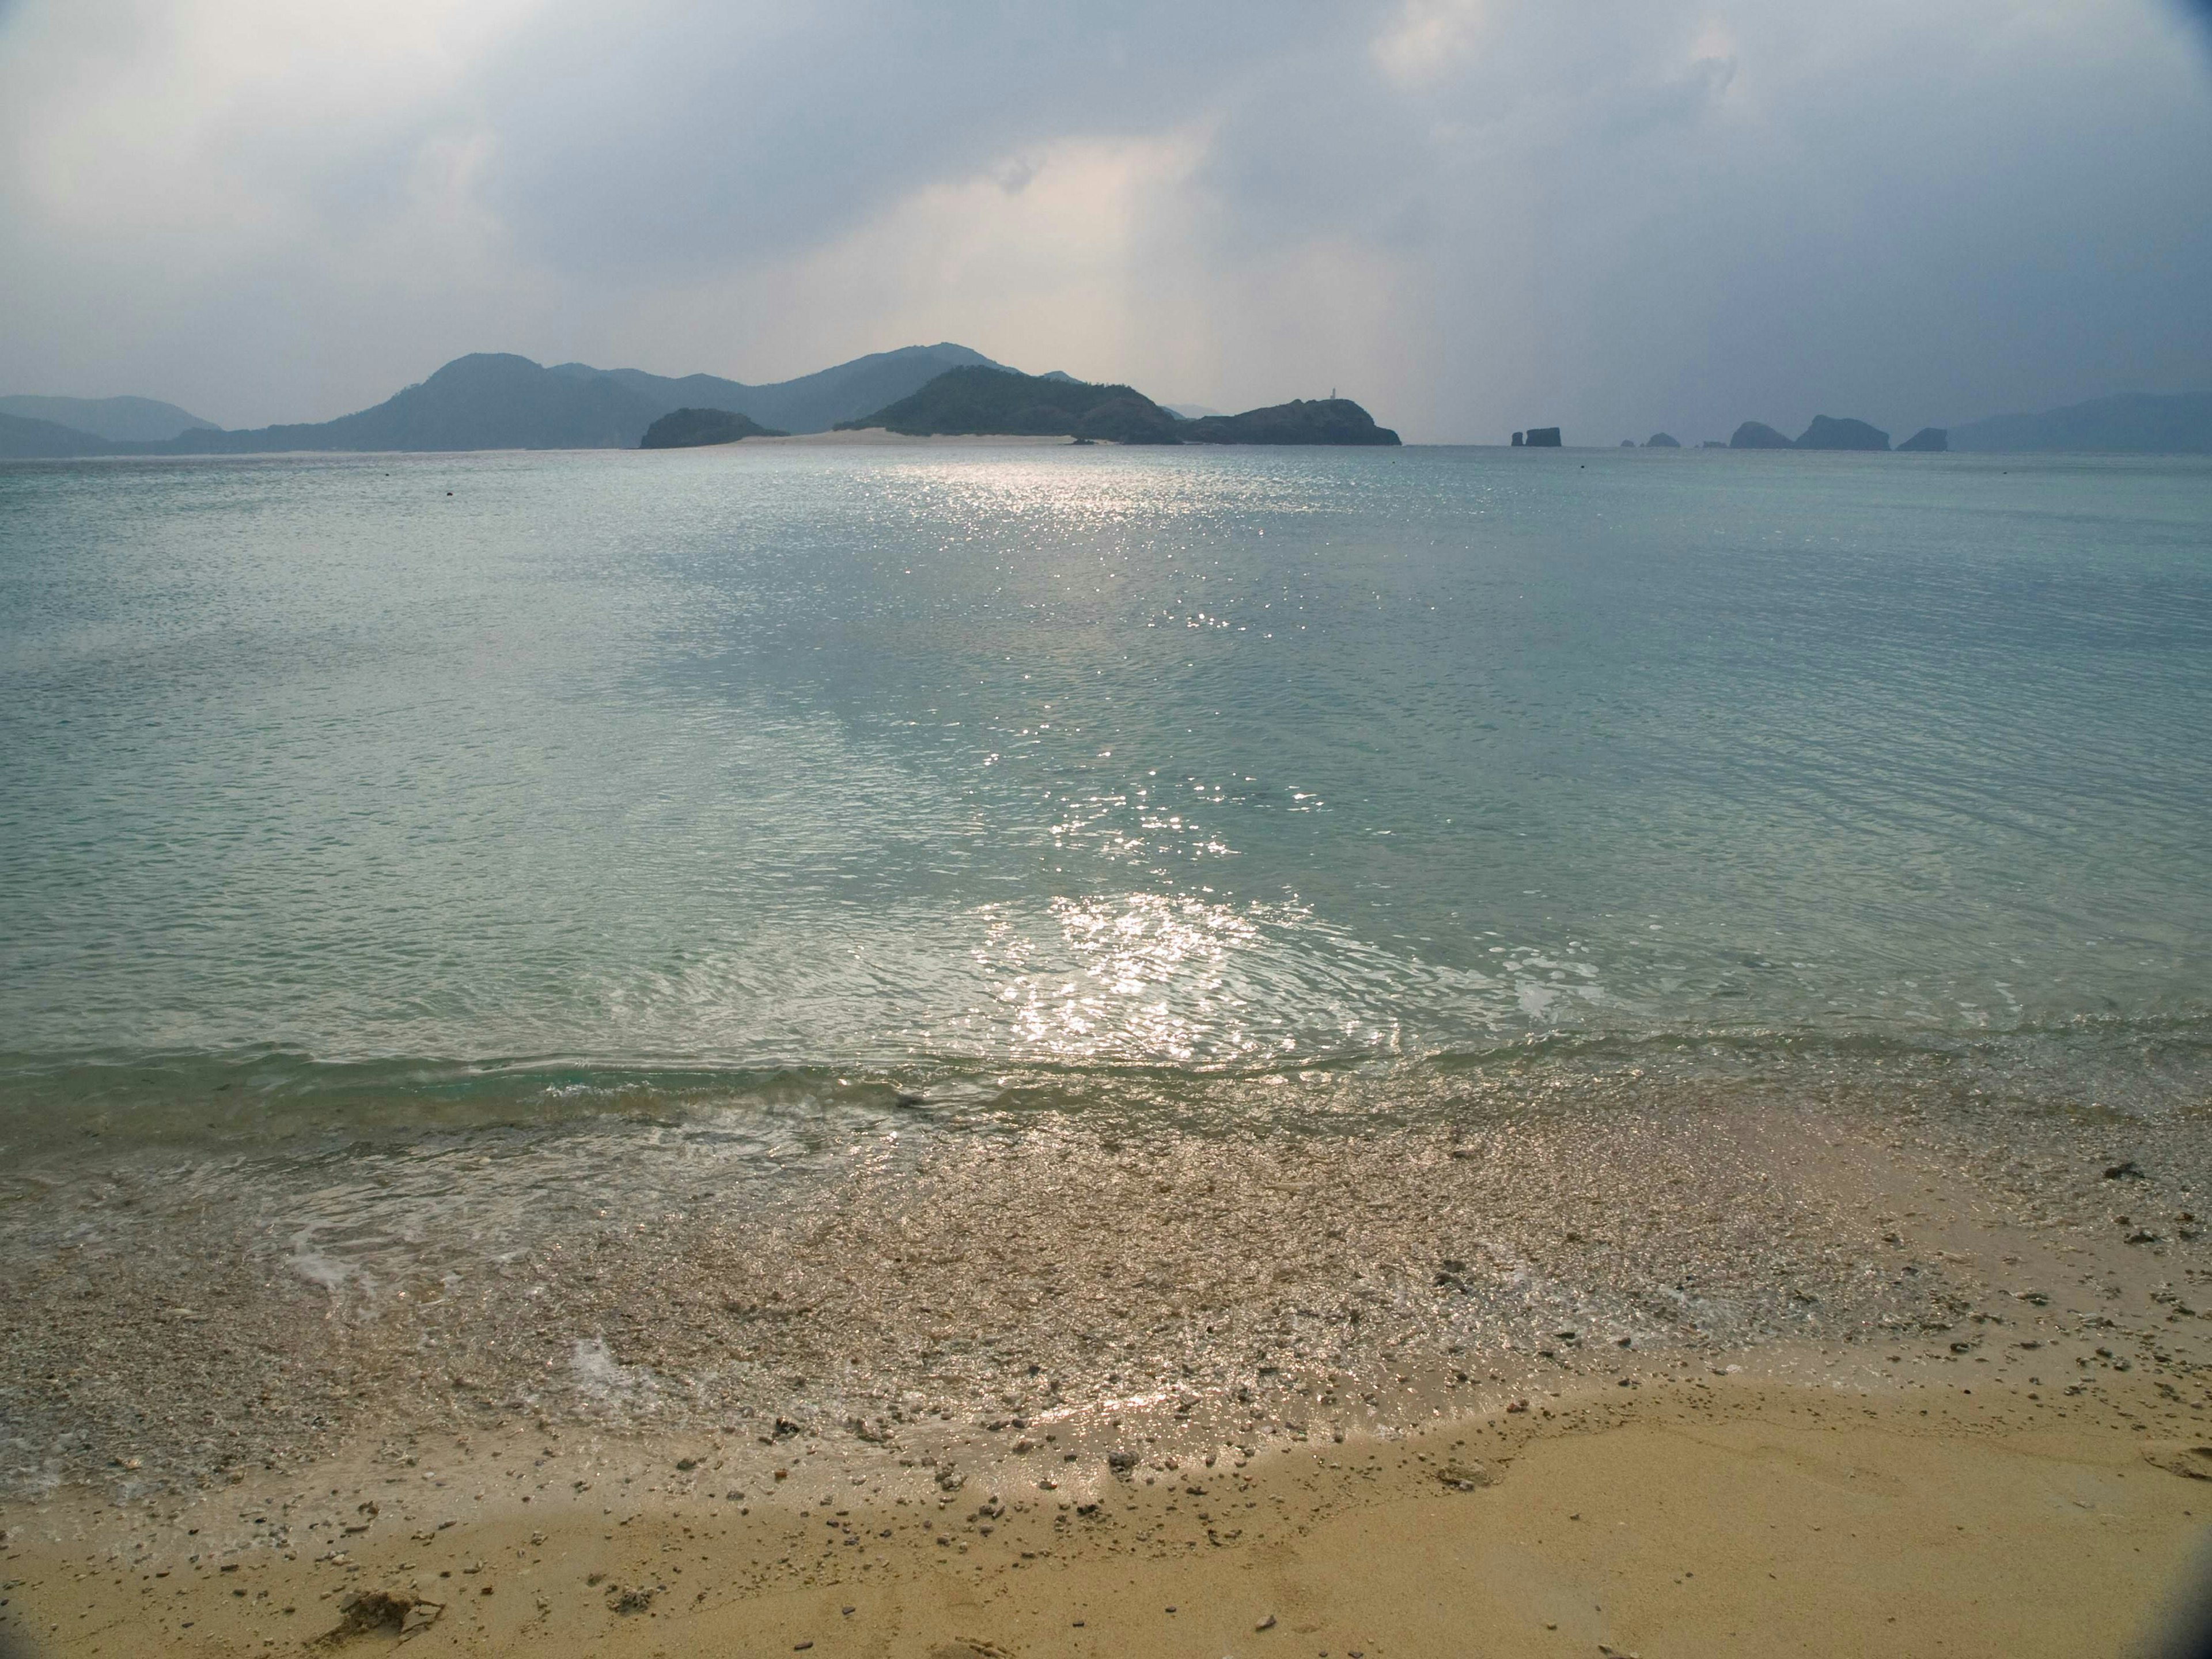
[(1646, 1375), (1711, 1515)]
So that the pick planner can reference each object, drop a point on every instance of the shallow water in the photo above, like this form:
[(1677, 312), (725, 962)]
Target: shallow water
[(552, 777)]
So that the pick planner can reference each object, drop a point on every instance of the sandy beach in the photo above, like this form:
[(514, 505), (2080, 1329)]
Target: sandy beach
[(1059, 1395)]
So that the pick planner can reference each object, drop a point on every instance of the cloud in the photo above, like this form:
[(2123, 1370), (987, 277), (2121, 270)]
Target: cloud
[(1474, 217)]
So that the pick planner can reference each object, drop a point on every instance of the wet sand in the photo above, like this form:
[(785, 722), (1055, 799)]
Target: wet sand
[(1696, 1375)]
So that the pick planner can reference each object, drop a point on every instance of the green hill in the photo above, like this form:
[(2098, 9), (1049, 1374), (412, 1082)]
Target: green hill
[(699, 428), (1323, 421), (979, 402)]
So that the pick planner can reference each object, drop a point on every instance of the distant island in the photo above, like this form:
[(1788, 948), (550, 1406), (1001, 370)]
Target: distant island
[(696, 428), (1826, 431), (978, 401), (496, 400), (2131, 424), (1000, 402), (1315, 421)]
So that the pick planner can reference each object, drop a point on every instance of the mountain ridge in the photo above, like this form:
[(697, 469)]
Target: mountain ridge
[(2126, 423), (124, 420)]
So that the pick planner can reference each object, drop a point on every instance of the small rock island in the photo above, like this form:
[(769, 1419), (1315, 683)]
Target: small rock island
[(697, 428)]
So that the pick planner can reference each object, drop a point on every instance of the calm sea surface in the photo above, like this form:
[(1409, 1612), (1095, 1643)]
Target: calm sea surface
[(526, 787)]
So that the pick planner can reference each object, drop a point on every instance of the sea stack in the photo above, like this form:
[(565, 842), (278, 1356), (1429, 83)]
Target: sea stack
[(1662, 440), (1520, 440), (1543, 437), (1928, 441)]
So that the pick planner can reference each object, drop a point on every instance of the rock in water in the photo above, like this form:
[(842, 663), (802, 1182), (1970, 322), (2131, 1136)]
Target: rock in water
[(1662, 440), (1928, 441), (1543, 437), (1520, 440), (696, 428), (1757, 435), (1828, 433)]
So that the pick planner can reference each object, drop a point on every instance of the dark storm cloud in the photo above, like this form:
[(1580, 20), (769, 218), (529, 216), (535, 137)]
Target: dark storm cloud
[(1475, 214), (698, 133)]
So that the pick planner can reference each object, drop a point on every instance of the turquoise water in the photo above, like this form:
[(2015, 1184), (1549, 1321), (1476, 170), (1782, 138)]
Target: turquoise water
[(402, 784)]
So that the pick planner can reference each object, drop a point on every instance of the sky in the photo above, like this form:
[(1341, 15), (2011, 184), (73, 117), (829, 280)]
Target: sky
[(1473, 216)]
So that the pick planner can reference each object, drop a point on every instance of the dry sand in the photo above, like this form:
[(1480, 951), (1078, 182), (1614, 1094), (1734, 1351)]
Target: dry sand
[(1705, 1516)]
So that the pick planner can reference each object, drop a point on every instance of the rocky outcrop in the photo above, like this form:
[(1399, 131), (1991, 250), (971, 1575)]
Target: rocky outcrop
[(1928, 441), (1316, 421), (697, 428), (1539, 437), (1828, 433), (1662, 440), (1757, 435)]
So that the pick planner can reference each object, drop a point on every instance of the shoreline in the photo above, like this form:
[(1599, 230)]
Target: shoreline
[(1685, 1315)]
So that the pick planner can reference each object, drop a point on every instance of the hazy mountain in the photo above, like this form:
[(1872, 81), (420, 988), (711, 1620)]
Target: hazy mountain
[(1317, 421), (495, 400), (2134, 422), (813, 402), (22, 440), (988, 400), (489, 400), (129, 419)]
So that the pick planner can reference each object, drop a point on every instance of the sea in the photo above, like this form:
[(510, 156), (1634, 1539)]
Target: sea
[(620, 808)]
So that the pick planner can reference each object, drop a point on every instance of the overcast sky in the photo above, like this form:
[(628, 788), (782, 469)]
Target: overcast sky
[(1470, 215)]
